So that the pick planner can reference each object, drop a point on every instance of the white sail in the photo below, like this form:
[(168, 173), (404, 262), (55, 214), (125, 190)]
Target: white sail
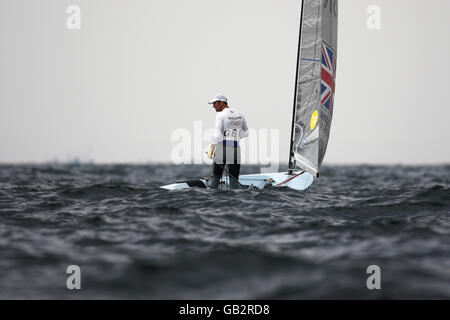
[(315, 85)]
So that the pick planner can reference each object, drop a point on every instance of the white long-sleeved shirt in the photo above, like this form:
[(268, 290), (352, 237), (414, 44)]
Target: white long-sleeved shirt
[(230, 125)]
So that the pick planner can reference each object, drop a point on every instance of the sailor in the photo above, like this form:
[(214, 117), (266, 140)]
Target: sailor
[(230, 127)]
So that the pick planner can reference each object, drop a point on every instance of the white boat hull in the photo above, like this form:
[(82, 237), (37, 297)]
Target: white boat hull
[(299, 181)]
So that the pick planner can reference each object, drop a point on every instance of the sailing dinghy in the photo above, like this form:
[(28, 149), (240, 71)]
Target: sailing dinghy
[(313, 103)]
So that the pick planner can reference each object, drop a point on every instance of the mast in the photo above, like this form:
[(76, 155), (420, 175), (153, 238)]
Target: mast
[(291, 166)]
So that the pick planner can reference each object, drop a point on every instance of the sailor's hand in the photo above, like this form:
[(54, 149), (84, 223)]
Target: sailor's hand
[(210, 153)]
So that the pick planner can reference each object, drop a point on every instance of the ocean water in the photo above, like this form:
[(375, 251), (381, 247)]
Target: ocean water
[(133, 240)]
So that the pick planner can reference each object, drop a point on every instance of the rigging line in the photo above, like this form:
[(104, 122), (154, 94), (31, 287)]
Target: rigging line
[(312, 60), (290, 179)]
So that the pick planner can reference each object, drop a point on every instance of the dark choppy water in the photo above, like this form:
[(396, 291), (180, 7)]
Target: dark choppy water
[(134, 240)]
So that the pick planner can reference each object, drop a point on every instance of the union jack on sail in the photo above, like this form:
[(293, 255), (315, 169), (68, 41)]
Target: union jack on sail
[(328, 77)]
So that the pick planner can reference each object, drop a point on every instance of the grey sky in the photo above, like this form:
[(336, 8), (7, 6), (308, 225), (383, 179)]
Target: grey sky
[(115, 90)]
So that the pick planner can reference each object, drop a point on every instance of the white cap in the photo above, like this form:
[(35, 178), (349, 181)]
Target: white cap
[(218, 97)]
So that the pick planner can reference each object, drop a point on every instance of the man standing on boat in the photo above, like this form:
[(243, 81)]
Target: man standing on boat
[(230, 127)]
